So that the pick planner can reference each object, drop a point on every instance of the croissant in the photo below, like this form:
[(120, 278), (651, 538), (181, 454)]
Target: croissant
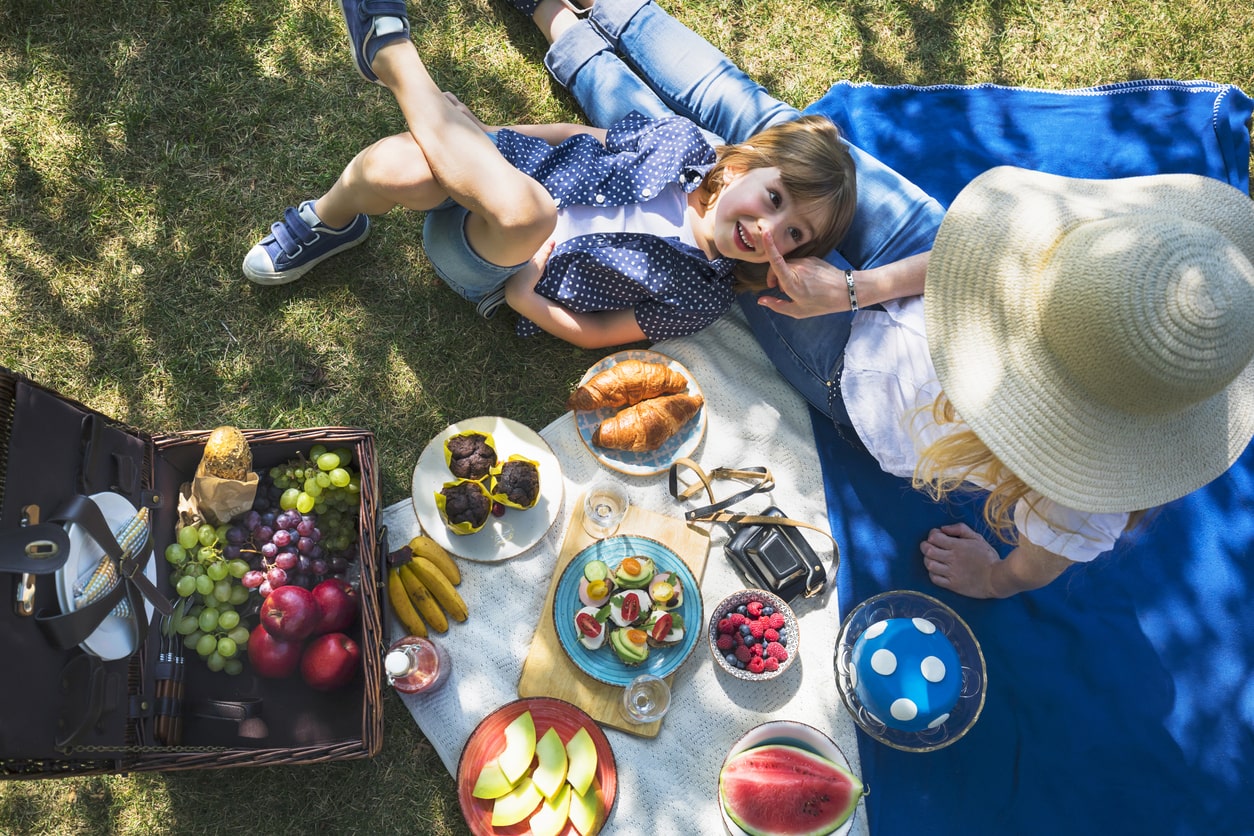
[(644, 426), (627, 383)]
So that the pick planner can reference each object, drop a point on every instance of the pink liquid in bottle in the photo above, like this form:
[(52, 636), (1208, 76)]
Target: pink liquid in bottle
[(416, 665)]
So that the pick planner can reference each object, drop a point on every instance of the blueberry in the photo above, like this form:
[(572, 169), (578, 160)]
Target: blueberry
[(742, 609), (731, 659), (744, 629), (740, 664), (750, 641), (768, 610)]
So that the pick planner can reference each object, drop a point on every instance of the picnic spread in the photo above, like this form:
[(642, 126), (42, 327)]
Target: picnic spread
[(578, 593), (1094, 705)]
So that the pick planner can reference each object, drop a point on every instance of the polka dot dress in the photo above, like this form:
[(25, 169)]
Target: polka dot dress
[(674, 289)]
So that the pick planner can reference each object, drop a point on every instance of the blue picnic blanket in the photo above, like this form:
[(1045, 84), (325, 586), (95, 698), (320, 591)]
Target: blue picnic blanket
[(1121, 697)]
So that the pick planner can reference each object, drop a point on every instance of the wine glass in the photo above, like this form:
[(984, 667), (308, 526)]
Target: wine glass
[(604, 506), (646, 699)]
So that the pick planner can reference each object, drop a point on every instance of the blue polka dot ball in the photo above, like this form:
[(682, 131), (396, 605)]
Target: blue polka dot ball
[(906, 673)]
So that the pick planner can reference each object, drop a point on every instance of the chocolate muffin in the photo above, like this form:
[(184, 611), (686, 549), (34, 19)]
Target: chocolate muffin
[(470, 455), (465, 506), (517, 483)]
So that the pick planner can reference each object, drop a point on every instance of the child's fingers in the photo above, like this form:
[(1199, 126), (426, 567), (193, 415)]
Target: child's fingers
[(779, 275)]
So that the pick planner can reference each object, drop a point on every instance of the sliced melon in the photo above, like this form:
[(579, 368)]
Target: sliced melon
[(520, 747), (581, 759), (781, 790), (586, 813), (551, 816), (550, 774), (517, 804), (491, 782)]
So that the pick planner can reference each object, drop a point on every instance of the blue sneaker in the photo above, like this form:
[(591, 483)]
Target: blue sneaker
[(373, 24), (298, 243)]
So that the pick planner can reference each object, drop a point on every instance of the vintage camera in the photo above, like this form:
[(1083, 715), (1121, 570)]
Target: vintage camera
[(776, 558)]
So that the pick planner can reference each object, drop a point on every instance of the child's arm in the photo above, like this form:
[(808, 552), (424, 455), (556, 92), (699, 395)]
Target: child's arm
[(586, 330), (960, 560), (553, 133)]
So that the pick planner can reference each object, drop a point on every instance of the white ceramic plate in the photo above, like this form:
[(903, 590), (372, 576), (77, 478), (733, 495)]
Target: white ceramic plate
[(525, 528), (680, 445), (115, 638)]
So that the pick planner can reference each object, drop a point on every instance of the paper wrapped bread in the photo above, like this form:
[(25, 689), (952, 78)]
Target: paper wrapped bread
[(646, 425), (226, 455), (627, 383)]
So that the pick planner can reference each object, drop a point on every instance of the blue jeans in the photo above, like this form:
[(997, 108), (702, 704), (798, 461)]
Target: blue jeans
[(631, 55)]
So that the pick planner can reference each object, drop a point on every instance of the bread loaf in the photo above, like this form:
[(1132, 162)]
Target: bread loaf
[(227, 455), (627, 383), (646, 425)]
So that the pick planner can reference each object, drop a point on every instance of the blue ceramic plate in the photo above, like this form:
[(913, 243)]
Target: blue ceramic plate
[(602, 664), (681, 444)]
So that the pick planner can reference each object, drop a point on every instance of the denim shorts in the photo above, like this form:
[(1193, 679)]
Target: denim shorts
[(470, 275), (454, 260)]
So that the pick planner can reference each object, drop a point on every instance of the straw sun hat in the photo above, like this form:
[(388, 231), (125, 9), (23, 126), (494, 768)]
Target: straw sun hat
[(1097, 335)]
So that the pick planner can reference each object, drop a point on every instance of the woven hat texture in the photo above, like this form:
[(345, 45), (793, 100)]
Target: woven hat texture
[(1097, 335)]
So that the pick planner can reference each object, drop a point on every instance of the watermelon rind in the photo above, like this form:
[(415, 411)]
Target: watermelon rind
[(782, 790)]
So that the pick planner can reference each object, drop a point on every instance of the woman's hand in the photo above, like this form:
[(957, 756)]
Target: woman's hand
[(959, 559), (813, 286)]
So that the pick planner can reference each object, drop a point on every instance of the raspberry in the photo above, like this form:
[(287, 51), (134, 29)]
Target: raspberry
[(771, 635), (754, 608), (770, 663), (737, 619), (759, 650), (725, 625), (743, 653), (777, 650), (756, 665), (725, 642), (777, 620), (757, 629)]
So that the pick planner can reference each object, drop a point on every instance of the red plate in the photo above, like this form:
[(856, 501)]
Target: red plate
[(487, 741)]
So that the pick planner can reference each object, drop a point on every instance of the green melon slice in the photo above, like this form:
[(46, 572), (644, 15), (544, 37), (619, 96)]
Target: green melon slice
[(781, 790)]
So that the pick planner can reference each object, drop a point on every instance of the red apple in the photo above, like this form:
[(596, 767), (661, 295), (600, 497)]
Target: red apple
[(340, 605), (330, 661), (271, 657), (290, 612)]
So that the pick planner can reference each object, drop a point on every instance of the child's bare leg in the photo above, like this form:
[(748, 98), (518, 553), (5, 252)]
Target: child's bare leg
[(511, 213), (553, 17), (391, 172)]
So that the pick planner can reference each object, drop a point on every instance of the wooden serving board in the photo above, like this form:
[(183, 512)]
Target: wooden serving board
[(549, 672)]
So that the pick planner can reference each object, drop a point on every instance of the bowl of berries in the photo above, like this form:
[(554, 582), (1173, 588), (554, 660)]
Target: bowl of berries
[(753, 635)]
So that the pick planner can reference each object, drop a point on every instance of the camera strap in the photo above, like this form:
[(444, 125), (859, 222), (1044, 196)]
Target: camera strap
[(717, 511)]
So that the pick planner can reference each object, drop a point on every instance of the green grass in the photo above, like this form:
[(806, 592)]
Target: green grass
[(146, 144)]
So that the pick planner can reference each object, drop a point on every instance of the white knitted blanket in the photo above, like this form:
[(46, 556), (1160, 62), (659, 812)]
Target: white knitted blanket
[(666, 784)]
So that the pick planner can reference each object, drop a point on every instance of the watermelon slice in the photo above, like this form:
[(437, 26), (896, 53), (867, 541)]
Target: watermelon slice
[(781, 790)]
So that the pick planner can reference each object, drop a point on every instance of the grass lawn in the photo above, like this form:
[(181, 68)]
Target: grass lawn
[(145, 145)]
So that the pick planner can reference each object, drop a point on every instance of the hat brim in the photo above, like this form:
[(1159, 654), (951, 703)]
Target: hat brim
[(983, 301)]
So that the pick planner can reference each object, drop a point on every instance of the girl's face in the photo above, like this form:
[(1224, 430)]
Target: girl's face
[(752, 202)]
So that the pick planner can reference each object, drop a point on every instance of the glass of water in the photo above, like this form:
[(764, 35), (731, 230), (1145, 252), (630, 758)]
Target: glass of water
[(646, 699), (604, 506)]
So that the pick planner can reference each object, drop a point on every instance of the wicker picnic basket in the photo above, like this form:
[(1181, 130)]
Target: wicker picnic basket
[(52, 448)]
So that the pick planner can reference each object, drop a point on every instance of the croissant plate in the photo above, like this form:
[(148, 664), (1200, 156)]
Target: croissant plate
[(646, 425), (627, 383)]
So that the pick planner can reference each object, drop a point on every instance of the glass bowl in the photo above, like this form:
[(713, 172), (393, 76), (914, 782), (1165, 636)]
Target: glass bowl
[(911, 604)]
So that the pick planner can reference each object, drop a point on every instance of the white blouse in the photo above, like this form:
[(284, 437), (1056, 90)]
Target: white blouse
[(889, 374)]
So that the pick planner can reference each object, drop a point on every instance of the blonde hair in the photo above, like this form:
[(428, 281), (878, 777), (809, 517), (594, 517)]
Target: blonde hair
[(958, 460), (814, 166)]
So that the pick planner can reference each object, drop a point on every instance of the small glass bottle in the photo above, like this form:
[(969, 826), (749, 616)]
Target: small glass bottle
[(416, 665)]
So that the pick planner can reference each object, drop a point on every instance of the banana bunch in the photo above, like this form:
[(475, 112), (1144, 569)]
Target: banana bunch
[(421, 588)]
